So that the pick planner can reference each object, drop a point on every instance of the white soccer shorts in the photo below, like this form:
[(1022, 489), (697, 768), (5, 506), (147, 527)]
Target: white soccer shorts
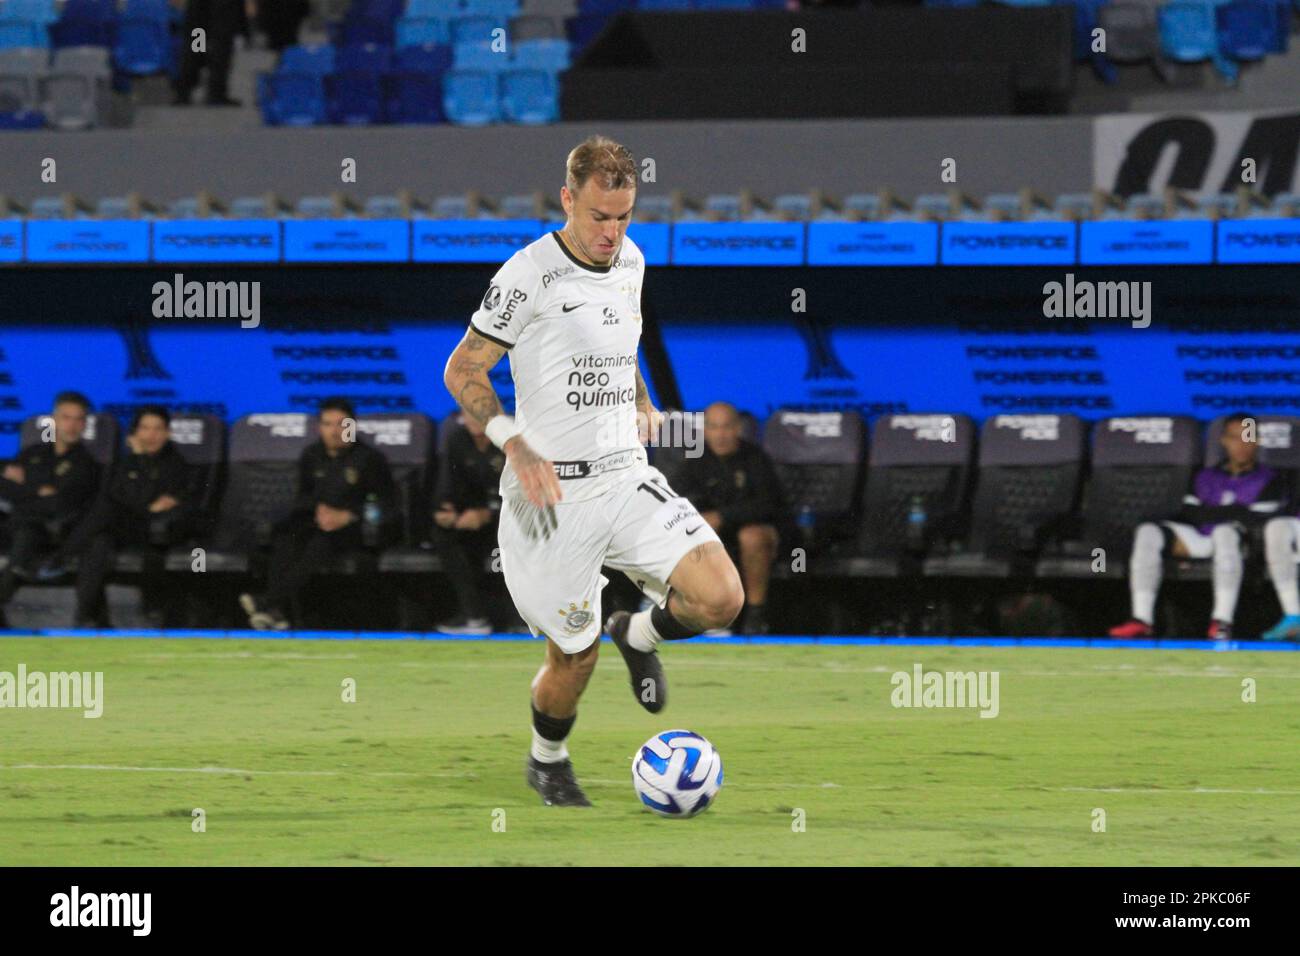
[(552, 559)]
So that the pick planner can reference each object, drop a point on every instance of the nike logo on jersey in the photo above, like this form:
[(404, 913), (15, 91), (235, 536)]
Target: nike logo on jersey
[(570, 308), (695, 529)]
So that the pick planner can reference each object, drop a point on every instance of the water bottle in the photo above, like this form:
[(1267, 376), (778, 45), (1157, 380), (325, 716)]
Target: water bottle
[(370, 521), (916, 523), (806, 522)]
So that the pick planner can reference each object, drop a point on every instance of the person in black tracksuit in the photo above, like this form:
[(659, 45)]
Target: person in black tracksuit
[(46, 490), (148, 500), (336, 477), (220, 20), (467, 505), (734, 486)]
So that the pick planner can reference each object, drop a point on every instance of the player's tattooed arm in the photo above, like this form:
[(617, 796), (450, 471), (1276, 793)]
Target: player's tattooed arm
[(466, 376), (648, 417)]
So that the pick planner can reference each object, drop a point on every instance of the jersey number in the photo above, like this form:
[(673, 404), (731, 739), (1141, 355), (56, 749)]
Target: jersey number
[(658, 489)]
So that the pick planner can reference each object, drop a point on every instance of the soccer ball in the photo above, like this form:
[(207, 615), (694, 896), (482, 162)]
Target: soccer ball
[(677, 773)]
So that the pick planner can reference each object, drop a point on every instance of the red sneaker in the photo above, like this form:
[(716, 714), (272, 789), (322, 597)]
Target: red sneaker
[(1133, 628), (1220, 631)]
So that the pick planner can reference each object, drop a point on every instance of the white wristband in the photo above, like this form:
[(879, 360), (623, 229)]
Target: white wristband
[(500, 429)]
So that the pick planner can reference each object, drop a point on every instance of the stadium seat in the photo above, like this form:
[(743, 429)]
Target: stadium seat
[(420, 31), (69, 101), (529, 97), (1141, 469), (818, 458), (22, 34), (1247, 28), (262, 473), (85, 23), (475, 28), (318, 60), (201, 440), (581, 30), (42, 12), (664, 4), (603, 8), (1188, 35), (363, 58), (444, 9), (1132, 35), (101, 437), (479, 56), (535, 27), (142, 47), (291, 99), (918, 477), (21, 70), (548, 55), (22, 120), (426, 58), (413, 97), (354, 99), (469, 97), (1026, 485), (406, 439)]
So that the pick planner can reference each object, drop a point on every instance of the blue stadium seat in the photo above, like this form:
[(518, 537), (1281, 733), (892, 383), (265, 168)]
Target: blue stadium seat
[(364, 58), (388, 10), (317, 60), (1247, 28), (15, 34), (547, 55), (354, 99), (497, 9), (474, 28), (724, 4), (1188, 35), (603, 8), (469, 97), (444, 9), (291, 99), (1282, 30), (142, 47), (478, 56), (85, 23), (583, 29), (664, 4), (529, 96), (418, 31), (23, 119), (353, 32), (426, 58), (43, 12), (158, 10), (413, 97)]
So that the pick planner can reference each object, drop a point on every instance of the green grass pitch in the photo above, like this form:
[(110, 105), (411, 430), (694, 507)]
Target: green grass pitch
[(427, 764)]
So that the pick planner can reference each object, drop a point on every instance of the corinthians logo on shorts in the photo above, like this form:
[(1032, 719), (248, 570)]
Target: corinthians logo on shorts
[(576, 618)]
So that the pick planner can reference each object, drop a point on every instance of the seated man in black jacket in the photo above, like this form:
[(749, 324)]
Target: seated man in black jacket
[(466, 508), (148, 501), (47, 489), (736, 490), (337, 477)]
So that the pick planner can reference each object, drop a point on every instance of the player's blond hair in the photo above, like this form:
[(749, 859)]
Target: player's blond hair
[(599, 157)]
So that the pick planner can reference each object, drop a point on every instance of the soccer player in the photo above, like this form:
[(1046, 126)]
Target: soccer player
[(577, 490), (1237, 491)]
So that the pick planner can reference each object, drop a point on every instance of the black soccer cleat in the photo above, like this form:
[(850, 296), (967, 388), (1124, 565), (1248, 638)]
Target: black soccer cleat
[(649, 685), (556, 783)]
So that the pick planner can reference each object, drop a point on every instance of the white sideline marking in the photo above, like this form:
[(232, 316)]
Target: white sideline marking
[(227, 770), (1259, 791)]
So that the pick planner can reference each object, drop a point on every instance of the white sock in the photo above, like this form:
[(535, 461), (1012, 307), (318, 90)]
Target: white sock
[(1280, 547), (1144, 570), (1227, 571), (548, 751), (641, 634)]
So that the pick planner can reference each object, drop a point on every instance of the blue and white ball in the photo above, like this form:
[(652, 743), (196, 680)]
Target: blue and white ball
[(677, 773)]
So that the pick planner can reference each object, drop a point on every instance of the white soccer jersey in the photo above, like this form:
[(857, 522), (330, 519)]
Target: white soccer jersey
[(572, 330)]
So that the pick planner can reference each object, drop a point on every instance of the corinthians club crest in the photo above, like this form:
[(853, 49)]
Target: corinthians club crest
[(576, 618)]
